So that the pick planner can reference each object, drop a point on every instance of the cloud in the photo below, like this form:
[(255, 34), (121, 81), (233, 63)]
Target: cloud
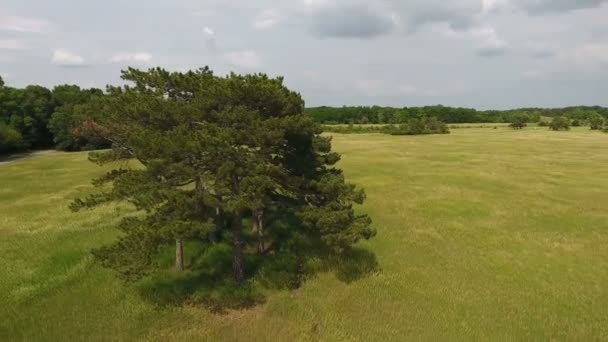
[(369, 19), (247, 59), (12, 44), (369, 87), (557, 6), (131, 57), (267, 19), (209, 37), (310, 75), (543, 53), (407, 89), (9, 22), (66, 58), (532, 74), (350, 21), (486, 41), (208, 31), (587, 55)]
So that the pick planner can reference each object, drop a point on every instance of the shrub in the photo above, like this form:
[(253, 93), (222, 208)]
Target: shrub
[(519, 121), (560, 123), (596, 121), (10, 139)]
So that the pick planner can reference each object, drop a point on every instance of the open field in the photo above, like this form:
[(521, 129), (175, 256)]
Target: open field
[(483, 234)]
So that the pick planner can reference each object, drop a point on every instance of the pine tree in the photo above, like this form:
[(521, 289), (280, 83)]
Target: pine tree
[(205, 152)]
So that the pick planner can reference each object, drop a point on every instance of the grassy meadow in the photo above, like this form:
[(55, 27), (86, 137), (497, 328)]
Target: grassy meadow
[(483, 234)]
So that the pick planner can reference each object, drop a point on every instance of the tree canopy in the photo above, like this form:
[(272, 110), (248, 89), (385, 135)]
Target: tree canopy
[(214, 161)]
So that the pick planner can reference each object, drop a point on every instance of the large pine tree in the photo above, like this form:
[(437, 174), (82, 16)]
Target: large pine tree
[(202, 156)]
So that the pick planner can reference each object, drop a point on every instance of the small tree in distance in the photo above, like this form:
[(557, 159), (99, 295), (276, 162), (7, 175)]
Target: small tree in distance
[(596, 121), (560, 123), (519, 121)]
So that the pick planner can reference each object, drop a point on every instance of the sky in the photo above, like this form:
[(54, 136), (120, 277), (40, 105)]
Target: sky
[(486, 54)]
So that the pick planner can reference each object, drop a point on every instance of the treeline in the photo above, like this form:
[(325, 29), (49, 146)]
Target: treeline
[(392, 115), (36, 117), (412, 127)]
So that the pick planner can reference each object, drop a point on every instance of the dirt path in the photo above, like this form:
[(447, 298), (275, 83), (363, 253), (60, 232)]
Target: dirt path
[(21, 156)]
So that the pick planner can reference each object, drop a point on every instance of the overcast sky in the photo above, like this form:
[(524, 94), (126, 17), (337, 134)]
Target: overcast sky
[(473, 53)]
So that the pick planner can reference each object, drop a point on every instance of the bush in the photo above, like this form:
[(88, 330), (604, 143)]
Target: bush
[(543, 123), (519, 121), (596, 121), (560, 123), (576, 123), (10, 139)]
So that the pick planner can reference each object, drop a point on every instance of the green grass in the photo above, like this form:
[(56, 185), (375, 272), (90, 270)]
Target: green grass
[(482, 235)]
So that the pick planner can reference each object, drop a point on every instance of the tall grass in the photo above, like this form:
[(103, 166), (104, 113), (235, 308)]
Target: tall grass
[(482, 235)]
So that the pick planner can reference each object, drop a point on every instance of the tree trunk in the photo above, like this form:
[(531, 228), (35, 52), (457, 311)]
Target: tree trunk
[(237, 237), (237, 242), (179, 255), (198, 197), (258, 219), (219, 225)]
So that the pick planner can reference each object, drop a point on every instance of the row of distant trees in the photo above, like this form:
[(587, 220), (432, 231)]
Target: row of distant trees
[(36, 117), (392, 115), (594, 120)]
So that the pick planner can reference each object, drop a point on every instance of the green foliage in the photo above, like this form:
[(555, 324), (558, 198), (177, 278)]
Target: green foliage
[(10, 139), (412, 127), (198, 155), (391, 115), (560, 123), (596, 121), (519, 121), (46, 118), (73, 109)]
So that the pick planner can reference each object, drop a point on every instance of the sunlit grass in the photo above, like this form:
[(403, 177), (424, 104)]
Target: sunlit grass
[(486, 234)]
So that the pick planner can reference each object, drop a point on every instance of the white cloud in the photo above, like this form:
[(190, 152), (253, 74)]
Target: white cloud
[(484, 39), (204, 13), (16, 23), (267, 19), (371, 87), (311, 75), (247, 59), (532, 74), (407, 89), (208, 31), (209, 37), (588, 54), (131, 57), (66, 58), (12, 44)]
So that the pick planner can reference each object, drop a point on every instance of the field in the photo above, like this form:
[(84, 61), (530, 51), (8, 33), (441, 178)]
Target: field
[(483, 234)]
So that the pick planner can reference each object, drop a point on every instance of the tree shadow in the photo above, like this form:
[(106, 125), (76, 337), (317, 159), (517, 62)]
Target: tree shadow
[(208, 284), (353, 265), (14, 157), (284, 267)]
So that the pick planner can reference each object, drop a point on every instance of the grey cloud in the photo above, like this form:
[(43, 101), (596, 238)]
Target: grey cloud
[(460, 15), (380, 17), (544, 53), (491, 52), (557, 6), (351, 21)]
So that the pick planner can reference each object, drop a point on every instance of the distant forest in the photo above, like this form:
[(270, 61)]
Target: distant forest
[(35, 117), (392, 115)]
